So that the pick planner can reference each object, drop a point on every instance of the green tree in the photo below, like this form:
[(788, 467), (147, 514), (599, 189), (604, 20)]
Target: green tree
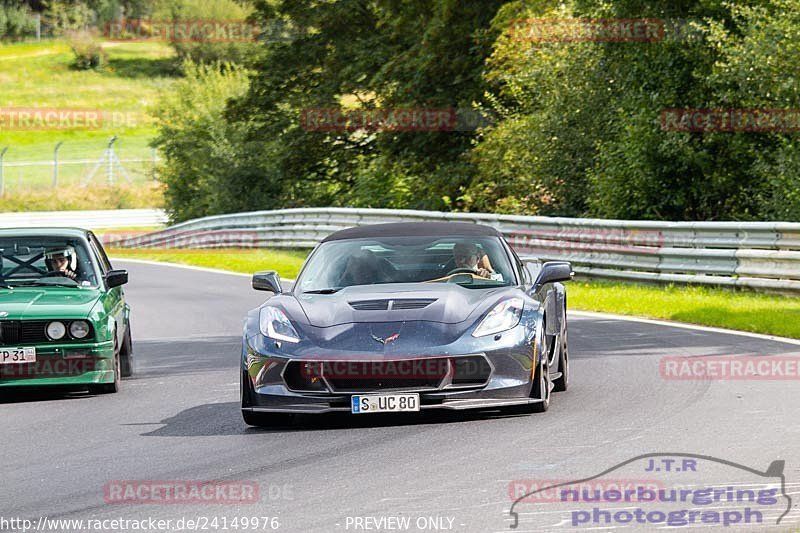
[(203, 162)]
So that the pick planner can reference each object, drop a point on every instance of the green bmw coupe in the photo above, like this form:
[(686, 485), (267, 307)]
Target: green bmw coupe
[(63, 315)]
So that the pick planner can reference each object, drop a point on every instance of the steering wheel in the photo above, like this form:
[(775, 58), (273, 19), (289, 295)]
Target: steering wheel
[(56, 273), (461, 270)]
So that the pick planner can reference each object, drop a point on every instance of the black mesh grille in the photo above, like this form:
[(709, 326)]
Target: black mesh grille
[(10, 332), (471, 370), (18, 332)]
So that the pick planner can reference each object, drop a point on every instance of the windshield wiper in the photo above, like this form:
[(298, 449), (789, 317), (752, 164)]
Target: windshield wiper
[(69, 283), (4, 285), (330, 290)]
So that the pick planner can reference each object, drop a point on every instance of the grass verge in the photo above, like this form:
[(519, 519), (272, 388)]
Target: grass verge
[(286, 262), (739, 310), (143, 195)]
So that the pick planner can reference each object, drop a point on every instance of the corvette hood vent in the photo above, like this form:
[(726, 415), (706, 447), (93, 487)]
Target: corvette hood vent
[(445, 303), (400, 304)]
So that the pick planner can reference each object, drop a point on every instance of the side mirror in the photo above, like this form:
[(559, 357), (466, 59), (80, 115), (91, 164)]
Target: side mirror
[(267, 280), (554, 271), (115, 278)]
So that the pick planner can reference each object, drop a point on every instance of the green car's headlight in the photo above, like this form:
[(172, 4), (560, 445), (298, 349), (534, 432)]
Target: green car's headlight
[(276, 325), (56, 330), (79, 329), (504, 316)]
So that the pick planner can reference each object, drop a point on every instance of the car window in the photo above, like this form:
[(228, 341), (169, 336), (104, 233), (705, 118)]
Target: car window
[(338, 264), (100, 253), (31, 261)]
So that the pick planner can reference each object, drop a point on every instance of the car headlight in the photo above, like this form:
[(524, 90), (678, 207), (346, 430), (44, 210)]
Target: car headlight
[(79, 329), (276, 325), (56, 330), (504, 316)]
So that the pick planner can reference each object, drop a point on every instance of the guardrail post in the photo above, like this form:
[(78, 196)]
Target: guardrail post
[(2, 181), (110, 160), (55, 164)]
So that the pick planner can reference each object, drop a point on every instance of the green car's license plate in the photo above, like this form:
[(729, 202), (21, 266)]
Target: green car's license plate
[(384, 403), (10, 356)]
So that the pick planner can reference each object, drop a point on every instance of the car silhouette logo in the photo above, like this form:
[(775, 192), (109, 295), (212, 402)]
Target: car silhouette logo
[(663, 464), (3, 314)]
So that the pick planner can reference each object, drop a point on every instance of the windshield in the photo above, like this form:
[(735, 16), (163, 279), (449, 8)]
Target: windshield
[(472, 262), (46, 262)]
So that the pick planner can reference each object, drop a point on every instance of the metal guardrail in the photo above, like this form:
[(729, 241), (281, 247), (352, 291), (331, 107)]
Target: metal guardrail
[(762, 255), (107, 218)]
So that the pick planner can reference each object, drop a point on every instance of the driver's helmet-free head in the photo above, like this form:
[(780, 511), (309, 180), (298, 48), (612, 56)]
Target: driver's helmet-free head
[(54, 255), (466, 254)]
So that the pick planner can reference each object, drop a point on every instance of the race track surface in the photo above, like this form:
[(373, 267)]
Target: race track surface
[(178, 419)]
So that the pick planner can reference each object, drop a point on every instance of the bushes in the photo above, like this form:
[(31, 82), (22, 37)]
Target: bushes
[(16, 22), (89, 54), (206, 10), (203, 163), (64, 17)]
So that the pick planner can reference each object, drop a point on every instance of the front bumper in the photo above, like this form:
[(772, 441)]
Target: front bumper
[(507, 384), (63, 364)]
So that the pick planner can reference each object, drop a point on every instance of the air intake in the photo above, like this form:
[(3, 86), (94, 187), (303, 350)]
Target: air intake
[(394, 305), (370, 305), (400, 305)]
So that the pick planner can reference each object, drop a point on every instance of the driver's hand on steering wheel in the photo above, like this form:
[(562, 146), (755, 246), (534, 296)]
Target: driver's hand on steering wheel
[(69, 273), (482, 272)]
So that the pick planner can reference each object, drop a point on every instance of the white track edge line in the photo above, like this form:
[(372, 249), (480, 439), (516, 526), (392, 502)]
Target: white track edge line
[(683, 325)]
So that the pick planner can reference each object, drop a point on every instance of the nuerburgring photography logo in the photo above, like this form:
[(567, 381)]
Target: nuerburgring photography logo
[(678, 490)]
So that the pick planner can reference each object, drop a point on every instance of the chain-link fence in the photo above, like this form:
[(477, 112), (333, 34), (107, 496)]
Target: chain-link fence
[(76, 163)]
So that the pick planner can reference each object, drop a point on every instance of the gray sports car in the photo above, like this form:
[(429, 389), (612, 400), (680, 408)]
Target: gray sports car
[(403, 317)]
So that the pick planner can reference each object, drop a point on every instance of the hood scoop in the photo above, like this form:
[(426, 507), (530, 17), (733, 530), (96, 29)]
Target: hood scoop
[(397, 304)]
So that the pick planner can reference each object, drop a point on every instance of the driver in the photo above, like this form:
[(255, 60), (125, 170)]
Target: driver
[(467, 255), (63, 260)]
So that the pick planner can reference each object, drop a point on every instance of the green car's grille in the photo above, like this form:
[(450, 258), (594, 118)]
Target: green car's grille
[(19, 332)]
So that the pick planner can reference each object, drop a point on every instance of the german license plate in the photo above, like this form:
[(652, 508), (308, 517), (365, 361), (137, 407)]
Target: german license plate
[(384, 403), (11, 356)]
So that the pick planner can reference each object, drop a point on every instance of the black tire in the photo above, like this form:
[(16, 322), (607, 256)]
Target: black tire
[(561, 383), (126, 354), (261, 420), (114, 386), (541, 387)]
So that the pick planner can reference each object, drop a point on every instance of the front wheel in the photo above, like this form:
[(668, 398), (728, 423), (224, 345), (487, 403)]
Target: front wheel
[(126, 354), (541, 388), (561, 383)]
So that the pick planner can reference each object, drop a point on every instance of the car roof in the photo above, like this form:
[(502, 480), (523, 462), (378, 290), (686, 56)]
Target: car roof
[(43, 232), (411, 229)]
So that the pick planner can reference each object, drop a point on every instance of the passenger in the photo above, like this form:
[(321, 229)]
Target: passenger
[(467, 255), (361, 269)]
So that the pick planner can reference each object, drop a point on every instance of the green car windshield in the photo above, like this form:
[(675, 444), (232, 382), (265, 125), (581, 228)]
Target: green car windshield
[(472, 262), (46, 262)]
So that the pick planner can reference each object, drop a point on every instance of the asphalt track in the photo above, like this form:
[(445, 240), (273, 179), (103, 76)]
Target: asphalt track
[(178, 419)]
